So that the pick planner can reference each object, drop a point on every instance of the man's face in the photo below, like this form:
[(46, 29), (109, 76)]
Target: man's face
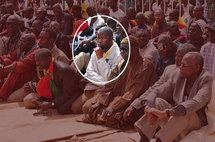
[(42, 63), (103, 40), (124, 51), (40, 15), (178, 57), (36, 28), (120, 29), (162, 49), (194, 32), (197, 13), (211, 35), (57, 12), (3, 10), (23, 44), (159, 17), (143, 38), (173, 28), (70, 3), (104, 11), (55, 27), (140, 19), (151, 19), (44, 41), (188, 67), (13, 28), (112, 4)]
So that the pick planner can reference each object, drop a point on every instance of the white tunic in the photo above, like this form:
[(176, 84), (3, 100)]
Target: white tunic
[(100, 70)]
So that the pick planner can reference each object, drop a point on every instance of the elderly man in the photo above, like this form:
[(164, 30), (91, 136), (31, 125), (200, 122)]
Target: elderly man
[(20, 66), (147, 49), (138, 104), (13, 26), (110, 102), (104, 58), (60, 85), (178, 104)]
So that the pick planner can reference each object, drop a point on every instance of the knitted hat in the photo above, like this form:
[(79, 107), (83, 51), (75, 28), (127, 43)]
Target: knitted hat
[(202, 24), (124, 43)]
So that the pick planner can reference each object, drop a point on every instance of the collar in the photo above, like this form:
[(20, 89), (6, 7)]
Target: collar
[(110, 52)]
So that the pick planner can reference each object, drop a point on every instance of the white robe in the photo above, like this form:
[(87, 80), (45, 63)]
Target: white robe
[(100, 70)]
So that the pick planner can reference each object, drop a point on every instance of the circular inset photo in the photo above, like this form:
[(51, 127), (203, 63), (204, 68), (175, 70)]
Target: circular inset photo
[(101, 49)]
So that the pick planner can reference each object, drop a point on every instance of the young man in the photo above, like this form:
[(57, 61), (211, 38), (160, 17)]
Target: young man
[(104, 58)]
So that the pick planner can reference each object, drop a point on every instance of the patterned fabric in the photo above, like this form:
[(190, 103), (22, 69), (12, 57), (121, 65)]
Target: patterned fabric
[(208, 53)]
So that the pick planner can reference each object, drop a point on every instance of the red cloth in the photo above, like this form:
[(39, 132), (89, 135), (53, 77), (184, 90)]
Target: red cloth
[(43, 86), (25, 70), (77, 24)]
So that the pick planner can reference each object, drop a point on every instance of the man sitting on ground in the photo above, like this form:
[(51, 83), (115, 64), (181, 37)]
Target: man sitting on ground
[(178, 105)]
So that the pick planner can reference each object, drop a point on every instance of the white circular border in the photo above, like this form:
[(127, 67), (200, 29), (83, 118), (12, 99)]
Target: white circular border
[(73, 57)]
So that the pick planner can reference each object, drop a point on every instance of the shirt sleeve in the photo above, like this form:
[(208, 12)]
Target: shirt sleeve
[(26, 64)]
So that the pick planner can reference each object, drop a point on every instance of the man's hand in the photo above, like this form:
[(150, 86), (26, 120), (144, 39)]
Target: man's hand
[(1, 68), (93, 110), (128, 112), (107, 113), (27, 88), (45, 105), (152, 119), (99, 52), (156, 112)]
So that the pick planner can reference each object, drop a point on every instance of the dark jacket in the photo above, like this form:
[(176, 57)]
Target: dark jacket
[(69, 82), (62, 43)]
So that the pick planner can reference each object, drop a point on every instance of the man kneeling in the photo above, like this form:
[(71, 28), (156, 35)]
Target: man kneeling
[(60, 86)]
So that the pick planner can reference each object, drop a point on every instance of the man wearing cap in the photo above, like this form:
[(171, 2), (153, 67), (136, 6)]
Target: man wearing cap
[(208, 51), (13, 26), (195, 33), (109, 103), (104, 58)]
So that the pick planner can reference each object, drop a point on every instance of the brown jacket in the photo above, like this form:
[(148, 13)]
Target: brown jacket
[(131, 84)]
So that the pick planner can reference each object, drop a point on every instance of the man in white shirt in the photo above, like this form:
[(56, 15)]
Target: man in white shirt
[(104, 58), (115, 12)]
